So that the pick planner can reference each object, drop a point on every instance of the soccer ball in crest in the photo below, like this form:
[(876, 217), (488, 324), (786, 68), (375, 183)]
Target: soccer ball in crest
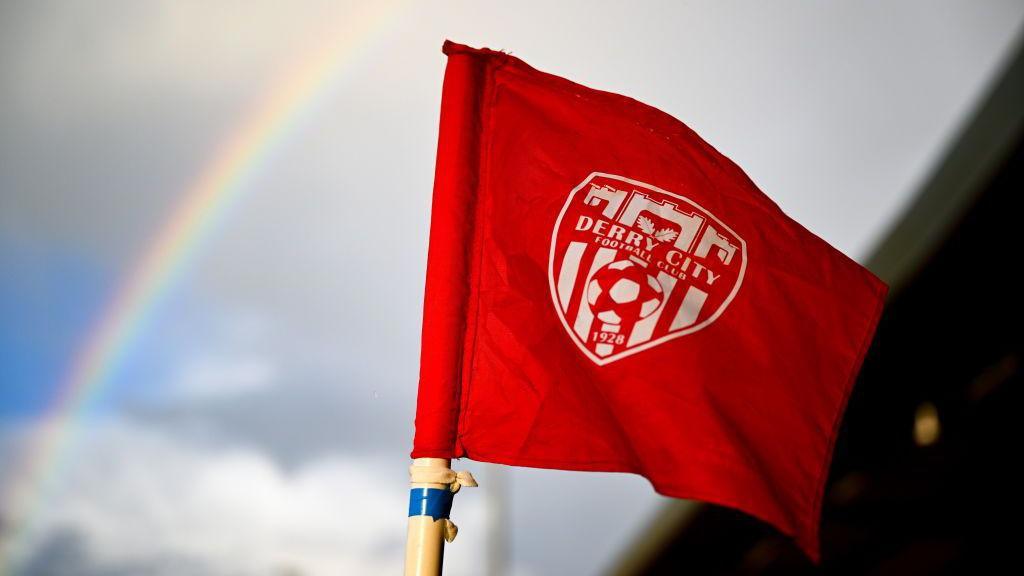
[(623, 291)]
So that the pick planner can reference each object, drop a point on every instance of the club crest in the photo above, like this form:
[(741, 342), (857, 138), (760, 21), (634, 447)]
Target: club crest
[(633, 266)]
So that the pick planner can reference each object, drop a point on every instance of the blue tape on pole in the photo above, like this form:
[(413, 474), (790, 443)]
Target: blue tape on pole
[(433, 502)]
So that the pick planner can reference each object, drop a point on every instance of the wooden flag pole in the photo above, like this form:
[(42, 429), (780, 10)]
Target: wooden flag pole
[(424, 545), (432, 486)]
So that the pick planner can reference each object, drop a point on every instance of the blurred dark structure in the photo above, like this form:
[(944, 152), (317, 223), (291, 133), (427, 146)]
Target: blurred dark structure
[(924, 477)]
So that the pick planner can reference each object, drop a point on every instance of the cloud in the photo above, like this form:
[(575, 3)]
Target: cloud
[(161, 46), (135, 497), (215, 376)]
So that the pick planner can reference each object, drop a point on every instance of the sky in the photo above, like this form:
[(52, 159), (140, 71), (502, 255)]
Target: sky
[(257, 419)]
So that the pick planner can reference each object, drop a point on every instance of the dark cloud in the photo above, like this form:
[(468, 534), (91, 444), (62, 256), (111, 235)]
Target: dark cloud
[(297, 422)]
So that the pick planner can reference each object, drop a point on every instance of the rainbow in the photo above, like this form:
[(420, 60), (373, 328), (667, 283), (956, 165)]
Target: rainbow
[(202, 206)]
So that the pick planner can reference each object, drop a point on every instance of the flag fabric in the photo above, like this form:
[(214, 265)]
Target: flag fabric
[(605, 291)]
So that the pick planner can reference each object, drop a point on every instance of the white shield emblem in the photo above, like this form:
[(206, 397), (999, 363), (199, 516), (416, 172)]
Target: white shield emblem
[(633, 266)]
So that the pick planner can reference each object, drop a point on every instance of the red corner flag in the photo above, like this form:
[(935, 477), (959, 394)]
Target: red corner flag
[(606, 291)]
